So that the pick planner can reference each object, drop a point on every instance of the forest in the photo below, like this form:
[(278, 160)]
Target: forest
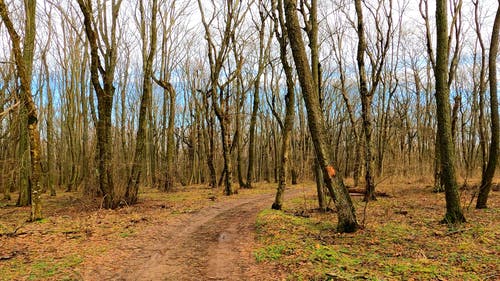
[(249, 140)]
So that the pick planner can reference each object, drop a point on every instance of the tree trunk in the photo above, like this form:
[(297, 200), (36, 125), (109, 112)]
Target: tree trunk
[(24, 197), (487, 176), (290, 105), (169, 169), (251, 137), (105, 95), (345, 208), (225, 127), (366, 106), (318, 175), (147, 89), (89, 188), (104, 145), (438, 183), (211, 141), (312, 31), (453, 210), (237, 134), (24, 65), (50, 129)]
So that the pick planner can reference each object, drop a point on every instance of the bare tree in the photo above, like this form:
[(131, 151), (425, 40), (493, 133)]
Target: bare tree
[(24, 67), (453, 210), (104, 91), (49, 123), (488, 174), (262, 60), (481, 87), (339, 193), (218, 92), (451, 69), (282, 37), (377, 63), (147, 88)]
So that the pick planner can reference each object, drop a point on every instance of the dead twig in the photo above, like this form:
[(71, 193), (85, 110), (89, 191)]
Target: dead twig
[(12, 107), (364, 215), (383, 179), (13, 233), (492, 276), (456, 231), (9, 256), (472, 199), (102, 202)]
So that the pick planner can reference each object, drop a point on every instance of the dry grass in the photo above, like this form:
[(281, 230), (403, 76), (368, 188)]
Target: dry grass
[(76, 232), (401, 239)]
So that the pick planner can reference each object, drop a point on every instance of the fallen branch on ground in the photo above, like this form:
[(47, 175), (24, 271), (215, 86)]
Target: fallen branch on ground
[(9, 256), (358, 191), (12, 233)]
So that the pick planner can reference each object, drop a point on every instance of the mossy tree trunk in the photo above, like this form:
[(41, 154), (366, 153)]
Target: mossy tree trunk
[(446, 148), (50, 128), (345, 208), (148, 52), (279, 20), (24, 66), (488, 174), (377, 62), (311, 28), (105, 92), (366, 106)]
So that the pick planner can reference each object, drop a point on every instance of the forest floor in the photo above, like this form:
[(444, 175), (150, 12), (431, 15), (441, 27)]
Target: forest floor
[(198, 234)]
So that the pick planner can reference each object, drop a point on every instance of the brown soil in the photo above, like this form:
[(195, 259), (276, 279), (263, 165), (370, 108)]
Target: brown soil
[(214, 243)]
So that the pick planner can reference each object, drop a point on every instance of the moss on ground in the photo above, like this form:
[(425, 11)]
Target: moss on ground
[(402, 240)]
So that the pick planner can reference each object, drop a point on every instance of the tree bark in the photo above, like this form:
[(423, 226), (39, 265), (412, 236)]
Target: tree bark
[(50, 128), (217, 91), (147, 89), (453, 209), (312, 32), (289, 101), (487, 176), (24, 65), (366, 106), (210, 149), (169, 169), (345, 208), (105, 95)]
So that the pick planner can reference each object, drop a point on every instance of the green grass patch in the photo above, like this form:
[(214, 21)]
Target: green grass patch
[(42, 269), (126, 234), (49, 268), (41, 221), (269, 253), (333, 255), (390, 248)]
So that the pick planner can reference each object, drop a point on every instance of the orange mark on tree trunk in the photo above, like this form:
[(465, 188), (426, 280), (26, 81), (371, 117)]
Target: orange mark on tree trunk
[(331, 171)]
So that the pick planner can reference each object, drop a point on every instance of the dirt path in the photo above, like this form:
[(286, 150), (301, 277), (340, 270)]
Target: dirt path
[(214, 243)]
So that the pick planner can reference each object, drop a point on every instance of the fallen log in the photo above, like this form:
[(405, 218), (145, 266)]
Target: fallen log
[(357, 191)]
